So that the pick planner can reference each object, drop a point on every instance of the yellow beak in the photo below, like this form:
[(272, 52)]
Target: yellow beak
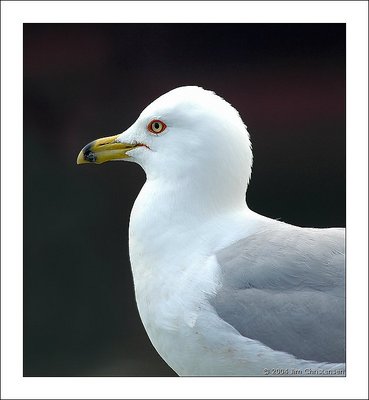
[(104, 149)]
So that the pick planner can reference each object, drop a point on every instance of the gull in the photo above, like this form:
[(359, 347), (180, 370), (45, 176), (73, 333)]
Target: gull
[(220, 289)]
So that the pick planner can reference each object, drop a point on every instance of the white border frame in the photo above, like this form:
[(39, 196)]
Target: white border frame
[(14, 14)]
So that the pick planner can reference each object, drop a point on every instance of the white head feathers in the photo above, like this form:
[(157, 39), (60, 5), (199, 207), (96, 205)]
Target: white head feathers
[(204, 143)]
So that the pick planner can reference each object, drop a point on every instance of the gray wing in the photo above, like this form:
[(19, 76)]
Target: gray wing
[(284, 287)]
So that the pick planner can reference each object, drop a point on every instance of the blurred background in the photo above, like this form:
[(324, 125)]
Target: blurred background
[(84, 81)]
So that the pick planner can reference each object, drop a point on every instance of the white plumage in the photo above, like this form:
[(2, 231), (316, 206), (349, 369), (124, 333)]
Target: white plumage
[(220, 289)]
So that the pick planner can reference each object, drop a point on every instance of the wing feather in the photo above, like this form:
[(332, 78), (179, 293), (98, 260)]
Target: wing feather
[(285, 287)]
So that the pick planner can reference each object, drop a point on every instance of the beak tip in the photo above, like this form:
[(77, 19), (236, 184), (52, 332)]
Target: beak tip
[(81, 158)]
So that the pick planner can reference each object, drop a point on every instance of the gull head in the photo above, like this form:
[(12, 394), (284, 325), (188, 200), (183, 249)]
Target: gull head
[(187, 134)]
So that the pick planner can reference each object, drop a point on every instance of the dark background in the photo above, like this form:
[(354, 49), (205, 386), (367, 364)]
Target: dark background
[(84, 81)]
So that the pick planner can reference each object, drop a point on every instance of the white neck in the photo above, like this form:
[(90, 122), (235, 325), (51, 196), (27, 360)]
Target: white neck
[(178, 207), (166, 218)]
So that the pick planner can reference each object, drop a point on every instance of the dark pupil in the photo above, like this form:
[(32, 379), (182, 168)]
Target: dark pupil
[(156, 125)]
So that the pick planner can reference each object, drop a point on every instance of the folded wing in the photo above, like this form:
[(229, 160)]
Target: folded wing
[(285, 287)]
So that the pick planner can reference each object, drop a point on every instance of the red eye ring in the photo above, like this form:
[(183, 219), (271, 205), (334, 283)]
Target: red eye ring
[(156, 126)]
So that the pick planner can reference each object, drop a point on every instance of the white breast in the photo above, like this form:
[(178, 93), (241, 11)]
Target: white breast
[(175, 272)]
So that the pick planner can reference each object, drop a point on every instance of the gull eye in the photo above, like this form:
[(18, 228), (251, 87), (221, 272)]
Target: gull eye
[(156, 126)]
